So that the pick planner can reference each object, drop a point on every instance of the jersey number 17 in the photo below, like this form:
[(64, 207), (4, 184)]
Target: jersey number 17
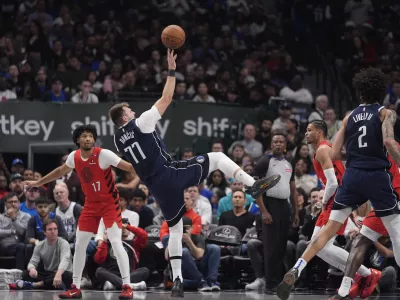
[(131, 148)]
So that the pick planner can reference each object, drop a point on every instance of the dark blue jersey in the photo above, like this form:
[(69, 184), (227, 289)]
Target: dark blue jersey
[(145, 151), (365, 149)]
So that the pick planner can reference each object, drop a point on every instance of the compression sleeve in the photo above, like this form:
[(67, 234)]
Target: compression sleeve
[(148, 120), (331, 185), (70, 162), (108, 158)]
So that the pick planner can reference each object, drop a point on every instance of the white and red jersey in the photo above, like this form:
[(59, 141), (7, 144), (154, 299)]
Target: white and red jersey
[(95, 174)]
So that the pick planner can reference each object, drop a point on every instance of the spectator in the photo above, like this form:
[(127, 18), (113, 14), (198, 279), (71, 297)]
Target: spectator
[(321, 104), (3, 189), (302, 200), (16, 186), (180, 92), (201, 205), (108, 274), (129, 88), (200, 261), (217, 146), (35, 232), (5, 93), (69, 212), (187, 154), (40, 86), (302, 177), (145, 189), (303, 152), (57, 93), (17, 166), (14, 83), (237, 153), (137, 204), (264, 134), (296, 92), (239, 217), (251, 146), (359, 11), (50, 266), (217, 180), (13, 225), (333, 124), (285, 111), (196, 220), (293, 136), (28, 174), (85, 95), (202, 94), (74, 186), (226, 204), (31, 195)]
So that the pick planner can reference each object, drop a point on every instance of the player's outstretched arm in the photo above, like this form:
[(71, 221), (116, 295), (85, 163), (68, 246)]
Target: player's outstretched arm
[(169, 88), (124, 165), (338, 143), (389, 119), (53, 175)]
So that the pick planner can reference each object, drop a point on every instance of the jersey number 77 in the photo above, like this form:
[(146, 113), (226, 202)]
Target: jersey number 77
[(131, 150)]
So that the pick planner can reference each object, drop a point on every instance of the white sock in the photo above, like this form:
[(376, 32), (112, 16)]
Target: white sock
[(337, 257), (82, 240), (114, 235), (300, 265), (345, 286), (219, 160), (175, 250), (392, 224)]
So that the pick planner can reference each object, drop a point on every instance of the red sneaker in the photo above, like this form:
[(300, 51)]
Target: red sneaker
[(358, 284), (370, 283), (73, 293), (126, 293)]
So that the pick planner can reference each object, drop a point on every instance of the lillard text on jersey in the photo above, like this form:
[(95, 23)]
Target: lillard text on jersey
[(127, 136), (362, 116)]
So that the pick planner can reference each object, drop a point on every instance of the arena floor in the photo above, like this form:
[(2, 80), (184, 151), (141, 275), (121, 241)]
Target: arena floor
[(163, 295)]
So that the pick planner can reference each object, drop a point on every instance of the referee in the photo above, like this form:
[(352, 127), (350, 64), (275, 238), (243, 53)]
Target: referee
[(275, 210)]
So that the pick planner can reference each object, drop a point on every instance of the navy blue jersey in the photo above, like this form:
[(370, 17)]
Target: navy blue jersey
[(365, 149), (145, 151)]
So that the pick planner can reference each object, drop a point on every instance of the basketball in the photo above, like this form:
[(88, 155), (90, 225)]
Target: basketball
[(173, 37)]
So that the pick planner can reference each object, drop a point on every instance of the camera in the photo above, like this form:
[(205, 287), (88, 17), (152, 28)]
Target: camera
[(125, 221)]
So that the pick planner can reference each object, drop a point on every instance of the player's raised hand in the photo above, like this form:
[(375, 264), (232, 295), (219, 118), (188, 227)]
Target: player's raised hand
[(28, 184), (171, 60)]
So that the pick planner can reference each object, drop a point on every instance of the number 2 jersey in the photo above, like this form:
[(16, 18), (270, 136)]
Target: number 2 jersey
[(95, 173), (140, 144), (365, 148)]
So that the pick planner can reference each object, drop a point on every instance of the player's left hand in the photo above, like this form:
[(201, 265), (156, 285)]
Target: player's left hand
[(296, 220), (28, 184)]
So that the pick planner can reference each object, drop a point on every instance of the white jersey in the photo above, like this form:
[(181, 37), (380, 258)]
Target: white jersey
[(68, 218), (107, 158)]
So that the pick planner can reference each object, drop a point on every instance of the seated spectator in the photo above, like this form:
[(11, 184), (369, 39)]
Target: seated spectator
[(201, 205), (129, 87), (155, 208), (296, 92), (302, 177), (137, 204), (57, 93), (250, 144), (200, 261), (34, 232), (321, 104), (16, 186), (202, 94), (226, 204), (51, 265), (3, 189), (239, 217), (285, 111), (17, 166), (217, 180), (68, 211), (41, 86), (13, 224), (302, 199), (29, 206), (196, 220), (332, 123), (149, 197), (108, 274), (5, 93), (28, 174), (85, 95)]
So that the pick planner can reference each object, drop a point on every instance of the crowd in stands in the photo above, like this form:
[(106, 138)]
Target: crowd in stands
[(97, 51)]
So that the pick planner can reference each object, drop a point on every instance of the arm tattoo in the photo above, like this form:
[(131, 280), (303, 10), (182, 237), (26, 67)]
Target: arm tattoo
[(387, 125)]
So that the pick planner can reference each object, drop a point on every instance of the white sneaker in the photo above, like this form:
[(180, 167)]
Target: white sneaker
[(86, 283), (108, 286), (141, 286), (258, 284)]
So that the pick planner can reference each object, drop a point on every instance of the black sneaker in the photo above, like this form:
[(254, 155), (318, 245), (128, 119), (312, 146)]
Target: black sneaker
[(263, 185), (177, 289), (338, 297), (301, 286), (285, 287)]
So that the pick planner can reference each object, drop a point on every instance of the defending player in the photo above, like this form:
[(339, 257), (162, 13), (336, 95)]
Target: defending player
[(368, 131), (372, 229), (138, 141), (93, 166), (330, 173)]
